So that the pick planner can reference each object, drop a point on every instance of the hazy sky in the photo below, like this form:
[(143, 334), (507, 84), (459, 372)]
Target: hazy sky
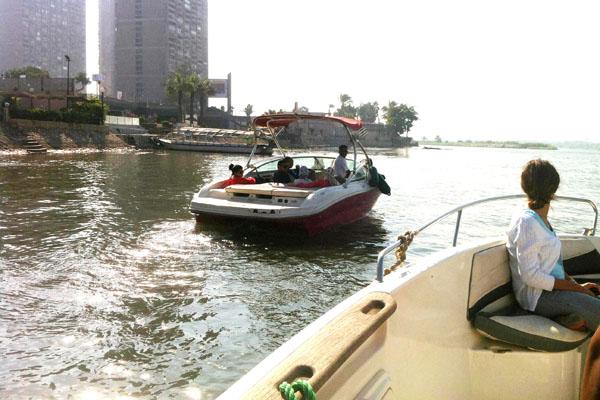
[(473, 69)]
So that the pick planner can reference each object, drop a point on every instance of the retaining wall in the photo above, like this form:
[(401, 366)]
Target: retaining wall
[(61, 135)]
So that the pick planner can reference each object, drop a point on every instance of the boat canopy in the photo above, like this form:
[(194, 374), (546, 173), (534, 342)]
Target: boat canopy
[(284, 119)]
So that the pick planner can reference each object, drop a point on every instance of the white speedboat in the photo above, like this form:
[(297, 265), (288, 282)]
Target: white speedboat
[(446, 327), (311, 209)]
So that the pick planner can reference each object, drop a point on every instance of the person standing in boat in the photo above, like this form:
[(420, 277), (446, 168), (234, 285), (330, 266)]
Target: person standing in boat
[(237, 178), (539, 280), (340, 165)]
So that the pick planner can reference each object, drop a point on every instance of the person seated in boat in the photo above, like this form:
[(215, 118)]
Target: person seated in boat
[(539, 280), (283, 175), (304, 180), (237, 178), (340, 166), (302, 176), (289, 162)]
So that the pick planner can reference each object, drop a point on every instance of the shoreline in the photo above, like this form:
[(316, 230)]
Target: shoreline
[(492, 144), (80, 150)]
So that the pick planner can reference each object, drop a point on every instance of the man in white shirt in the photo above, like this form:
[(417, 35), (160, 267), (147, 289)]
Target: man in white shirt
[(340, 166)]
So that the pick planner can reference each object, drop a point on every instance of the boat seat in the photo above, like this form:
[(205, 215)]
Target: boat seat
[(494, 312), (262, 188), (582, 260), (270, 189), (292, 192)]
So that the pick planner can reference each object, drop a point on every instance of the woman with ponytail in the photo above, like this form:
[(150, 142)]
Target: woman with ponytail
[(237, 178), (538, 277)]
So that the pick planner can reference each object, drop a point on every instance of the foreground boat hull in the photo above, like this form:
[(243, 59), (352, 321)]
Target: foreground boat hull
[(419, 343), (343, 212)]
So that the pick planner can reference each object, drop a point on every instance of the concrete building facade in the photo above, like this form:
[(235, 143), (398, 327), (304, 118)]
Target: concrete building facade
[(143, 41), (40, 33)]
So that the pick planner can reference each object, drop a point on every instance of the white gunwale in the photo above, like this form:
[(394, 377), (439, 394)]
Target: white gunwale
[(426, 348)]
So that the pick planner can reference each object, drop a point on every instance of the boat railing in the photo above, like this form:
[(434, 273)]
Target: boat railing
[(458, 211)]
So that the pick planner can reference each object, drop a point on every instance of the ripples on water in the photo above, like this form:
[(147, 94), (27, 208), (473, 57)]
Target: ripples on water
[(109, 288)]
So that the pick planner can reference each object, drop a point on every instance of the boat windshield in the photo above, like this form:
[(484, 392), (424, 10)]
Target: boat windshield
[(360, 173), (316, 163)]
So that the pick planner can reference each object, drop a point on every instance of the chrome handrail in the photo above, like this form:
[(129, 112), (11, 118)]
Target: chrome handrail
[(383, 253)]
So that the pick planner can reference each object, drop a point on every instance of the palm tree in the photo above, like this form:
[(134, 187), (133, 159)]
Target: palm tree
[(176, 86), (83, 80), (345, 99), (248, 110), (204, 90), (193, 83)]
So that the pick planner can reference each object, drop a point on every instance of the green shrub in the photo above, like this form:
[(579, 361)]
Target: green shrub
[(85, 112)]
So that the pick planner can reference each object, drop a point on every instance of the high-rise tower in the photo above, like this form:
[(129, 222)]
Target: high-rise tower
[(143, 41), (40, 33)]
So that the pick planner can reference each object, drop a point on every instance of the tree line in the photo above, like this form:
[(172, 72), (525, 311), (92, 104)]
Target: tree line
[(399, 117)]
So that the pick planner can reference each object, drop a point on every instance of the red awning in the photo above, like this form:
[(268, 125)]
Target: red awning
[(284, 119)]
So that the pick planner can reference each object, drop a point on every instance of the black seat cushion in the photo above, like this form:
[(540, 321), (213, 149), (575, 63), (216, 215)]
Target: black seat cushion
[(587, 263), (584, 264)]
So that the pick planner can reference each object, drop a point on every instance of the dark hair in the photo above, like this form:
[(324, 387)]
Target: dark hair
[(539, 181), (285, 160), (235, 168), (343, 146)]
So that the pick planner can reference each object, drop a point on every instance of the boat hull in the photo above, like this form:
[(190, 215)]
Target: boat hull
[(215, 147), (343, 212), (426, 348)]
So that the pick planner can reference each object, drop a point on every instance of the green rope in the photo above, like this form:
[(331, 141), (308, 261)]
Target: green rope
[(288, 392)]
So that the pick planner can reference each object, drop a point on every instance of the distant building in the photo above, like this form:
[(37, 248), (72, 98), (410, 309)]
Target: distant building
[(40, 33), (143, 41)]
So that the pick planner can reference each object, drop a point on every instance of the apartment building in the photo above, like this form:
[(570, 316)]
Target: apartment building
[(143, 41), (40, 33)]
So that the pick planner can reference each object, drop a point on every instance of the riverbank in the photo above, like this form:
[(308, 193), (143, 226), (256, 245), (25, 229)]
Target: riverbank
[(493, 144), (58, 136)]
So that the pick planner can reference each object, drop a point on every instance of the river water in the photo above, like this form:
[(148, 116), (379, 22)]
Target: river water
[(109, 289)]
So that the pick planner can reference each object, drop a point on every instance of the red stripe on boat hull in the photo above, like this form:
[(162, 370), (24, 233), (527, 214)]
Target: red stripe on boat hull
[(343, 212)]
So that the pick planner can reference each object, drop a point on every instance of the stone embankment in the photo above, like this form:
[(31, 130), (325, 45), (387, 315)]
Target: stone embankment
[(18, 134)]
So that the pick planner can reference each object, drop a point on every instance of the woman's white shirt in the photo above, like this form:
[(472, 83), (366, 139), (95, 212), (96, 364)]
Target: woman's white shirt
[(533, 251)]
